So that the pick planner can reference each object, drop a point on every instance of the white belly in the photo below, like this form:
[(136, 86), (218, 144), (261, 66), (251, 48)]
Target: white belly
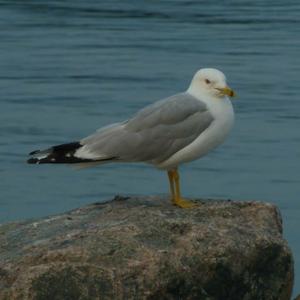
[(209, 139)]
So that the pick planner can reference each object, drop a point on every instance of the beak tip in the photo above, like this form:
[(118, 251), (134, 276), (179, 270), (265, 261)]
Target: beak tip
[(229, 92)]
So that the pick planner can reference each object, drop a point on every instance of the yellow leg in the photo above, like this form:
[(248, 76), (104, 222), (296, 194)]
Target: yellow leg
[(171, 181), (175, 192)]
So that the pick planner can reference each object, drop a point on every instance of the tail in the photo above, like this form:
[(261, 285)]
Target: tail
[(62, 154)]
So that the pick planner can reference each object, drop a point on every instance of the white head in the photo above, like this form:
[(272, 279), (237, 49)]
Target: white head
[(210, 82)]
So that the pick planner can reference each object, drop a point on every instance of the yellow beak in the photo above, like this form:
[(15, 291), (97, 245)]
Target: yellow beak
[(227, 91)]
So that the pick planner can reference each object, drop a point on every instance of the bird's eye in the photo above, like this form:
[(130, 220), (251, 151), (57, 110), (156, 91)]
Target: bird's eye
[(207, 81)]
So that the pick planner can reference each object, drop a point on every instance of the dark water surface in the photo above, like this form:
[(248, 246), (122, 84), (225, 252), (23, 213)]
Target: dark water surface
[(69, 67)]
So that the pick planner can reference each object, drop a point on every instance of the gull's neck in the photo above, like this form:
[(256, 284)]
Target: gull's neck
[(199, 93), (214, 103)]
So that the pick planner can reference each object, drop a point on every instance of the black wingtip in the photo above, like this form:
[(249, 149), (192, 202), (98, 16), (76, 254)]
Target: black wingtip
[(34, 152), (32, 161)]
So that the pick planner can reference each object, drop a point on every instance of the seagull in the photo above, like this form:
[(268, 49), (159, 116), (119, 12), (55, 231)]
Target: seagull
[(165, 134)]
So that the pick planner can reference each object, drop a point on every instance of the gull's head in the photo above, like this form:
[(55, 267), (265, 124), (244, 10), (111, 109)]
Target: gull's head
[(210, 82)]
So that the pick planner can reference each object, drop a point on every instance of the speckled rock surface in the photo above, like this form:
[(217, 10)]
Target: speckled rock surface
[(145, 248)]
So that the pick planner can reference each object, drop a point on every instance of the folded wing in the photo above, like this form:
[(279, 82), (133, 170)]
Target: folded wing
[(153, 135)]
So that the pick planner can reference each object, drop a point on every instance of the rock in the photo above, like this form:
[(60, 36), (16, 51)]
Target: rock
[(145, 248)]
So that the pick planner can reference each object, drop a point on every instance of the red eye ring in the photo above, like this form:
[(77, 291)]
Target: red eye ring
[(207, 81)]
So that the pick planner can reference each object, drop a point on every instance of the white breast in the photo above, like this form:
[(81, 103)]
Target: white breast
[(214, 135)]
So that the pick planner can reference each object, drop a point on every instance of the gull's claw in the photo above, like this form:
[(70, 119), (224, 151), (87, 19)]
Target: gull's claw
[(180, 202)]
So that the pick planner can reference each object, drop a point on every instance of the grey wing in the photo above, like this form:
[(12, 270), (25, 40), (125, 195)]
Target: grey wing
[(154, 134)]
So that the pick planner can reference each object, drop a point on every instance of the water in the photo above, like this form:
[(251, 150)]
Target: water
[(69, 67)]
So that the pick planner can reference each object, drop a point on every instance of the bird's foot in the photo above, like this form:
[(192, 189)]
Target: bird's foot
[(182, 203)]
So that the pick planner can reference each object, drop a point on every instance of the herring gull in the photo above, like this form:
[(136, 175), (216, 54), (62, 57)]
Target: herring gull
[(172, 131)]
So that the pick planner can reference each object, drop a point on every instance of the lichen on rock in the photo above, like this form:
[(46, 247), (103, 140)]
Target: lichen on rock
[(145, 248)]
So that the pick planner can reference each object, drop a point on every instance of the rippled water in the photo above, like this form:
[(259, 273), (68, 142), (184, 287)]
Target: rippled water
[(69, 67)]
